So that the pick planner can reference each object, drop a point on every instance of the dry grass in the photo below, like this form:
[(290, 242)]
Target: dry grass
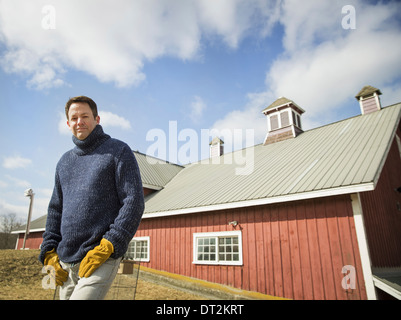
[(21, 279)]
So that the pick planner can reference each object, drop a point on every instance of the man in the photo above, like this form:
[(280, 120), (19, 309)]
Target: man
[(95, 209)]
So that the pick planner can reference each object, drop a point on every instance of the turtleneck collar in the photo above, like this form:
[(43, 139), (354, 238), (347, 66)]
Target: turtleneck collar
[(91, 142)]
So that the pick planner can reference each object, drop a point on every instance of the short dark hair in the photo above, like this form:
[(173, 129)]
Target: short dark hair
[(84, 99)]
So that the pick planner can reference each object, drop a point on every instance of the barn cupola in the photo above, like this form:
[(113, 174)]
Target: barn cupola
[(369, 99), (283, 120), (216, 147)]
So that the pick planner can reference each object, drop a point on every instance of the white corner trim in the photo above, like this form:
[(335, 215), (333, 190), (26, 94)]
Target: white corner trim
[(386, 288), (363, 246)]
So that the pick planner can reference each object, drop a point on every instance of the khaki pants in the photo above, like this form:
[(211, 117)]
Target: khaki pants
[(94, 287)]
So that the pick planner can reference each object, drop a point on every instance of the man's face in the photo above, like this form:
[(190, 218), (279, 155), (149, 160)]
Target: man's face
[(80, 120)]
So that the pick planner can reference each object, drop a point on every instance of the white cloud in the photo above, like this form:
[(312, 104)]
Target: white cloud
[(112, 40), (15, 162), (62, 124), (107, 119), (14, 201), (250, 117), (324, 66), (19, 210), (196, 109), (45, 192), (20, 206), (16, 182)]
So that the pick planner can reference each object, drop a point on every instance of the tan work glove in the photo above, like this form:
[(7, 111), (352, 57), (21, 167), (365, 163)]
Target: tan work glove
[(52, 259), (94, 258)]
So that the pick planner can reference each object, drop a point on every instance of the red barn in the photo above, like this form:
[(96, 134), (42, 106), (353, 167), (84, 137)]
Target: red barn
[(305, 215)]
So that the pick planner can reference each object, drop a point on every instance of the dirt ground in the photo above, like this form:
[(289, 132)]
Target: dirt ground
[(21, 279)]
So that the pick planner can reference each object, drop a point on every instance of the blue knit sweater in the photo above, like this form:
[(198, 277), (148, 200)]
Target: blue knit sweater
[(97, 194)]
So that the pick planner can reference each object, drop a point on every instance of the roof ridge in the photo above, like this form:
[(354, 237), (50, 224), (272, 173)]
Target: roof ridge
[(353, 117), (166, 161)]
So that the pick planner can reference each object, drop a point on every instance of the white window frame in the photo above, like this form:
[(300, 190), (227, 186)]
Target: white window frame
[(147, 239), (217, 235), (297, 119)]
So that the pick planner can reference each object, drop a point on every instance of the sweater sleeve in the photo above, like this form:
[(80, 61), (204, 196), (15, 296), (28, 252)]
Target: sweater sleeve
[(130, 193), (52, 235)]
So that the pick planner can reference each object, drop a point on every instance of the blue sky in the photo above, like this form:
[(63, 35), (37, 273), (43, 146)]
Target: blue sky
[(201, 64)]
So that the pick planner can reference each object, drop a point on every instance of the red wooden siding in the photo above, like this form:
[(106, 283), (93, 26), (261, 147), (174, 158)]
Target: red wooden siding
[(294, 250), (33, 241), (382, 213)]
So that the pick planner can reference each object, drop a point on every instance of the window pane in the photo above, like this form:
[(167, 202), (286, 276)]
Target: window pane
[(137, 249), (215, 249), (228, 245), (205, 247)]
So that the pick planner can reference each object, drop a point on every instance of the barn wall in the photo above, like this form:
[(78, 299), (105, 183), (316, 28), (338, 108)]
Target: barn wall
[(382, 213), (295, 250), (33, 241)]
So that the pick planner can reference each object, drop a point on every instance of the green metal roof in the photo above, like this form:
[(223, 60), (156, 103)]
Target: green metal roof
[(343, 154), (37, 224), (155, 173)]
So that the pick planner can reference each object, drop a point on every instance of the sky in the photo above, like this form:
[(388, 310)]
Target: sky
[(161, 71)]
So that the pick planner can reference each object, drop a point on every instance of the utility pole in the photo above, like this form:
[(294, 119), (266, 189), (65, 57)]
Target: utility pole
[(28, 193)]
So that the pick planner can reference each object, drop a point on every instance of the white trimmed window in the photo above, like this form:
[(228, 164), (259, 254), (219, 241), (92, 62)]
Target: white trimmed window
[(221, 248), (138, 249)]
